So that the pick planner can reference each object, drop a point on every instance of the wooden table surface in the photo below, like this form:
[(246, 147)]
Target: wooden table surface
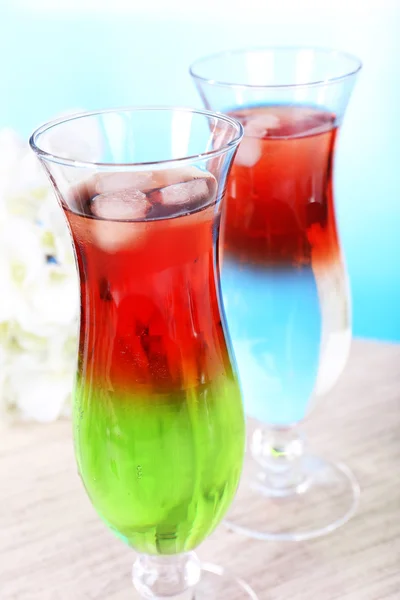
[(54, 547)]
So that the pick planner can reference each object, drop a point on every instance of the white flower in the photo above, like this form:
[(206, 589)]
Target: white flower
[(21, 263), (55, 234), (23, 184), (39, 390), (39, 296), (11, 147), (50, 303)]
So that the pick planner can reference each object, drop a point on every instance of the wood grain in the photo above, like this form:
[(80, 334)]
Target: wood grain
[(54, 547)]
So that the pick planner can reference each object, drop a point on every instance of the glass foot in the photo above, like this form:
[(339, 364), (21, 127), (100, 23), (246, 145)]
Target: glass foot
[(323, 498), (215, 583)]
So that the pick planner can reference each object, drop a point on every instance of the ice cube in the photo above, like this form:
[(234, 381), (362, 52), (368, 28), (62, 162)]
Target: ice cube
[(113, 182), (262, 124), (123, 205), (113, 229), (191, 193), (182, 190), (145, 181), (166, 177), (113, 236), (249, 152)]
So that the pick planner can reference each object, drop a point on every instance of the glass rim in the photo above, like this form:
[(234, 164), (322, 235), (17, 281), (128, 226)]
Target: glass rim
[(170, 162), (316, 49)]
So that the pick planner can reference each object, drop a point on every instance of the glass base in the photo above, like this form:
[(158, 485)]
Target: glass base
[(324, 498), (215, 583)]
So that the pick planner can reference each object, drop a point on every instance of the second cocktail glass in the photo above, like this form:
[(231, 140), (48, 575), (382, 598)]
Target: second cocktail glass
[(158, 417), (283, 276)]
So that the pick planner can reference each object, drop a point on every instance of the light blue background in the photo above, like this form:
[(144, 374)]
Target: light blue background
[(53, 60)]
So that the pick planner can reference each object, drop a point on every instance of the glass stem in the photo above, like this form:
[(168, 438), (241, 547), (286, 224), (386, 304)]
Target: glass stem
[(279, 451), (174, 577)]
